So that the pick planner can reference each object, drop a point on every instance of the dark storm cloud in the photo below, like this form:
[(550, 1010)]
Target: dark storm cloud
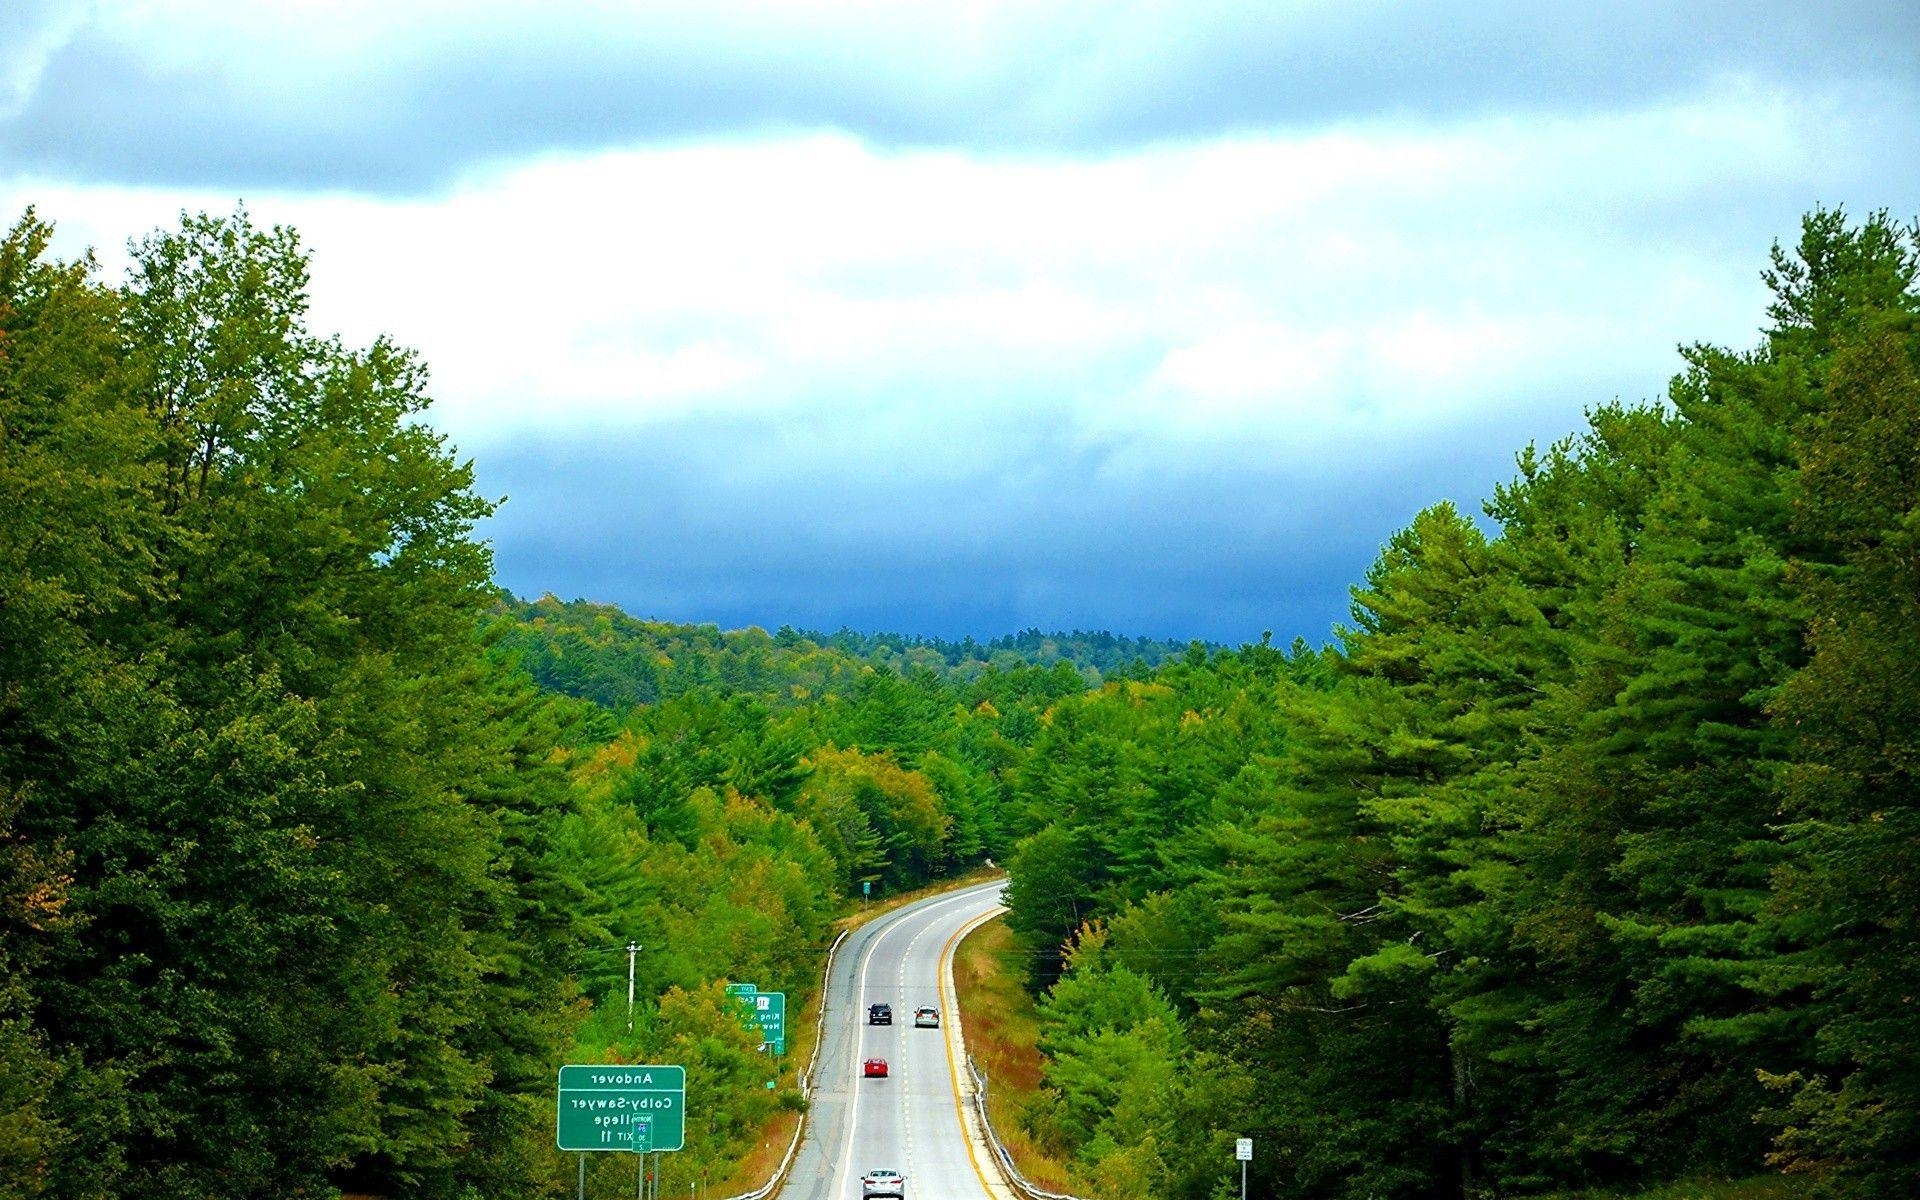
[(413, 104), (665, 524)]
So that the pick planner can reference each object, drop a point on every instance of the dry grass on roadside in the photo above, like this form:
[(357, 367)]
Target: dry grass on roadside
[(1003, 1035), (758, 1167)]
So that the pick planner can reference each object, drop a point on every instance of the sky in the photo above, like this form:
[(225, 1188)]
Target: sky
[(963, 318)]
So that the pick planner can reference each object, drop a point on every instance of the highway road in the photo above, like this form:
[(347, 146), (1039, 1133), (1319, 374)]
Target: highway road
[(909, 1121)]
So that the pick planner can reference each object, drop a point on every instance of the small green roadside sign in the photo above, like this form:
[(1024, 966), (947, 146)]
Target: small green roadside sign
[(618, 1107), (741, 989), (769, 1011)]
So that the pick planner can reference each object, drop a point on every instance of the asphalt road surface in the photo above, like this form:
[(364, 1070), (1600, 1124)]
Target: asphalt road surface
[(908, 1122)]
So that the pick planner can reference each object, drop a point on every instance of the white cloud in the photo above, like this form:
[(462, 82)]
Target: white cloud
[(1123, 321), (1244, 296), (30, 32)]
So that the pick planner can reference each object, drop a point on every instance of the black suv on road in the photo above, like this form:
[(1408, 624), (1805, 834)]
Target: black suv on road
[(879, 1014)]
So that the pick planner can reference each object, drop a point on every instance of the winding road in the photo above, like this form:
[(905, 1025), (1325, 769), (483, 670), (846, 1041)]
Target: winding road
[(910, 1121)]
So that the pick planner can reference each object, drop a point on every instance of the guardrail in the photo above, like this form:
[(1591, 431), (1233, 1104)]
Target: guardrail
[(772, 1185), (1015, 1179)]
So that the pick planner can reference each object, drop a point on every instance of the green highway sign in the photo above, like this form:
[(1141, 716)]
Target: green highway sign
[(619, 1107), (767, 1013), (741, 989)]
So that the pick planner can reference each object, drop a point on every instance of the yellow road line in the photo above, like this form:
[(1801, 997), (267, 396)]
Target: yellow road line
[(953, 1067)]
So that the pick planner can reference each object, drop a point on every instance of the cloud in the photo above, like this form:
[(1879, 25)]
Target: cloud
[(31, 32), (405, 99), (1041, 538), (890, 378), (1258, 295)]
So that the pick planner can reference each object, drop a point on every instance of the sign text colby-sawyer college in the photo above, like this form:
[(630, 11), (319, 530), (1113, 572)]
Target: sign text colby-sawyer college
[(599, 1104)]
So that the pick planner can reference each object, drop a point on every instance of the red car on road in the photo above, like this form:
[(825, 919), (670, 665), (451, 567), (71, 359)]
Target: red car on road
[(876, 1068)]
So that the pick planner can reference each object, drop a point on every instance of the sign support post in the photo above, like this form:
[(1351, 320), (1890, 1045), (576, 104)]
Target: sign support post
[(1243, 1150), (633, 948), (642, 1141)]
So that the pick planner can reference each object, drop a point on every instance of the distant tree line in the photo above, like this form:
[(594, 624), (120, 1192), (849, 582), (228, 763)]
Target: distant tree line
[(597, 652), (1588, 857), (1096, 653)]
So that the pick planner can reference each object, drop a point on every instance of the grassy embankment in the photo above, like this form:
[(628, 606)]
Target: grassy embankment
[(755, 1168), (1003, 1035)]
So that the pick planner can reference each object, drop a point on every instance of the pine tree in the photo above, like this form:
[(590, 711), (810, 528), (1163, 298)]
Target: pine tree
[(1848, 892)]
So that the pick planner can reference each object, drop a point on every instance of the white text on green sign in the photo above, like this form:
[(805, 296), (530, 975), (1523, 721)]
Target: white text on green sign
[(766, 1014), (599, 1106)]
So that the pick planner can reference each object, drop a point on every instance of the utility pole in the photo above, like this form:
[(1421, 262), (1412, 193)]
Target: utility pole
[(633, 948)]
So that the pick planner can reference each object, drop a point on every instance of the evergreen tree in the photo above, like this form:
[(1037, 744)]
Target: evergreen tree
[(1846, 900)]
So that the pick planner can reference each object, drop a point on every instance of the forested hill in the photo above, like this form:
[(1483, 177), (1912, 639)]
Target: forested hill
[(597, 652)]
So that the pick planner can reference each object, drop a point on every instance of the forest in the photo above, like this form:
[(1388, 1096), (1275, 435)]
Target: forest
[(1584, 856), (596, 652), (1588, 856), (305, 886)]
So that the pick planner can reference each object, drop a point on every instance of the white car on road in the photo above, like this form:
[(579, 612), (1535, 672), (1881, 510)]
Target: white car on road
[(883, 1182)]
